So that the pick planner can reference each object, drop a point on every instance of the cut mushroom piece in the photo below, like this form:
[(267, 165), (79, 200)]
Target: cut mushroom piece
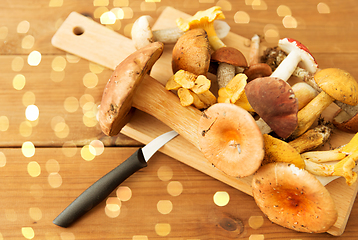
[(336, 84), (275, 102), (228, 58), (192, 53), (230, 139), (205, 20), (293, 198), (298, 54)]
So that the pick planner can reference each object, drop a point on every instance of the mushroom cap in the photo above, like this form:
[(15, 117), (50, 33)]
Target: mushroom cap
[(275, 102), (344, 122), (141, 32), (308, 62), (231, 140), (119, 91), (293, 198), (192, 52), (229, 55), (258, 70), (338, 84)]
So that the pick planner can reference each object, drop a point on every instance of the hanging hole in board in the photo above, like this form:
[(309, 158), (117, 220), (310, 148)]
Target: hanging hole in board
[(78, 31)]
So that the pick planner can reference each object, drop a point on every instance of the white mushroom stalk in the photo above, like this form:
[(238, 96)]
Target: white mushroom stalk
[(297, 54), (254, 50)]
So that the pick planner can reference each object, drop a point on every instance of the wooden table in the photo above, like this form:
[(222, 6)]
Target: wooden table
[(46, 162)]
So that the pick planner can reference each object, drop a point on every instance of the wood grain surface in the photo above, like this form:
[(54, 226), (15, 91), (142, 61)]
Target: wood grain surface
[(168, 199)]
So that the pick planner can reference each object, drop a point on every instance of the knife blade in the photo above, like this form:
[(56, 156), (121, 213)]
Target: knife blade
[(98, 191)]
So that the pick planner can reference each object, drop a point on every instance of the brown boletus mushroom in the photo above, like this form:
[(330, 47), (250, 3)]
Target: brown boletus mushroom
[(192, 52), (230, 139), (118, 94), (275, 102), (228, 58), (344, 122), (293, 198), (257, 70)]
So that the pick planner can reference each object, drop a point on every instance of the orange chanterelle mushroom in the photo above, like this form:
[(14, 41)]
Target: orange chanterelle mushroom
[(231, 140)]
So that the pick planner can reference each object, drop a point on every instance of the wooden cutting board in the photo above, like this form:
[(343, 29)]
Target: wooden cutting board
[(83, 37)]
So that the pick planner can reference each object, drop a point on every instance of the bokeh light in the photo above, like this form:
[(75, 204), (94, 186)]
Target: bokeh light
[(34, 58), (32, 112), (28, 149), (221, 198)]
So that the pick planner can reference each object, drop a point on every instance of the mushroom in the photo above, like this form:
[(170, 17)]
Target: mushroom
[(192, 52), (205, 20), (274, 101), (256, 69), (228, 58), (293, 198), (230, 139), (336, 84), (298, 54), (142, 33), (345, 122), (304, 93)]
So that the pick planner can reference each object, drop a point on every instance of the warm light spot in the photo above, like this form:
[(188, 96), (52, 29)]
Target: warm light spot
[(55, 180), (86, 98), (62, 130), (28, 149), (162, 229), (259, 5), (86, 153), (25, 129), (128, 29), (90, 80), (120, 3), (241, 17), (28, 42), (113, 204), (88, 106), (19, 82), (323, 8), (23, 27), (224, 4), (67, 236), (118, 12), (175, 188), (17, 64), (289, 22), (28, 98), (221, 198), (97, 147), (33, 169), (28, 232), (60, 126), (56, 120), (140, 237), (72, 58), (58, 64), (165, 173), (32, 112), (57, 76), (52, 166), (271, 33), (90, 119), (95, 68), (164, 206), (10, 215), (3, 32), (58, 23), (55, 3), (124, 193), (99, 3), (249, 2), (283, 11), (99, 11), (111, 214), (108, 18), (71, 104), (255, 222), (2, 159), (4, 123), (36, 191), (69, 149), (35, 213), (34, 58), (257, 237), (148, 6)]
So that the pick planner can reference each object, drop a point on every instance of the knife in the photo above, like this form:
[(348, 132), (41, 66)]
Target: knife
[(98, 191)]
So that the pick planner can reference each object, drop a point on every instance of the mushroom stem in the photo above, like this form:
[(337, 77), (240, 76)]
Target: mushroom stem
[(307, 115), (304, 93), (254, 50), (225, 73), (287, 66), (214, 40)]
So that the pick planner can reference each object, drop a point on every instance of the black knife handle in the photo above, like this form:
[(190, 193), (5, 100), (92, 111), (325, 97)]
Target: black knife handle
[(97, 192)]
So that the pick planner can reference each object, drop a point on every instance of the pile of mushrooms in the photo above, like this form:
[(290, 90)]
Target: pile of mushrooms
[(255, 123)]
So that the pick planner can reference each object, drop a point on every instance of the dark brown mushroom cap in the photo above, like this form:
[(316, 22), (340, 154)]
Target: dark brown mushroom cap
[(257, 70), (345, 123), (118, 94), (293, 198), (275, 102), (231, 140), (230, 56)]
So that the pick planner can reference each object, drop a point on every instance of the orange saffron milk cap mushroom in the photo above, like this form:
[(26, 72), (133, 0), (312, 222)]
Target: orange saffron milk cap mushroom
[(293, 198), (231, 140)]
